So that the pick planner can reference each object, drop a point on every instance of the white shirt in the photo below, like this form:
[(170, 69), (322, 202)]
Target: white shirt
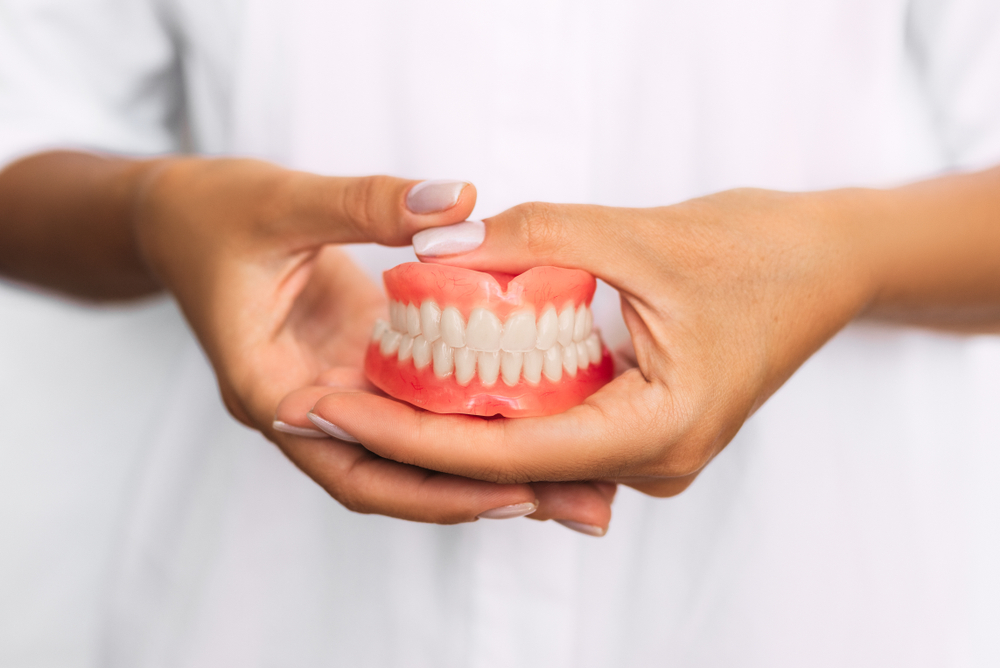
[(854, 521)]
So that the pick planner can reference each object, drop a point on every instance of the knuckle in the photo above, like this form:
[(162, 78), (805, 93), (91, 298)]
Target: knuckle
[(365, 198), (541, 227)]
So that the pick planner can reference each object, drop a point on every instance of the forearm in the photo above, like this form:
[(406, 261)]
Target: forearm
[(66, 225)]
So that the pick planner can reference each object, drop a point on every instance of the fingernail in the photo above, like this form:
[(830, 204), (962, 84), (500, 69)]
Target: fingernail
[(588, 529), (449, 240), (434, 196), (510, 512), (331, 429), (286, 428)]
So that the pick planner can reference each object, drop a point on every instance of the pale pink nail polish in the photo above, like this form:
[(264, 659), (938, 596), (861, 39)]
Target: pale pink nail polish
[(449, 240), (588, 529), (331, 429), (305, 432), (510, 512), (434, 196)]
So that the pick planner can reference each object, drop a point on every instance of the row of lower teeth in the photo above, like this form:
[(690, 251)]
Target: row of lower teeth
[(465, 362)]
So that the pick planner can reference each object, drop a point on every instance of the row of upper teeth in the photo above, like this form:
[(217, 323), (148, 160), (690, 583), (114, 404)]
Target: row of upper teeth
[(521, 347)]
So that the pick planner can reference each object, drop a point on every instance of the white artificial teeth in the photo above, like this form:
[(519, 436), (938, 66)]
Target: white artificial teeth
[(465, 365), (452, 327), (519, 332), (421, 352), (580, 323), (569, 359), (390, 342), (444, 361), (405, 348), (397, 316), (532, 370), (510, 367), (489, 367), (379, 329), (594, 348), (589, 327), (548, 329), (430, 320), (552, 365), (412, 320), (483, 332), (582, 356), (566, 320)]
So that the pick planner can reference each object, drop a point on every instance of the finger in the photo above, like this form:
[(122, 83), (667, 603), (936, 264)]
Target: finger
[(581, 506), (380, 209), (660, 487)]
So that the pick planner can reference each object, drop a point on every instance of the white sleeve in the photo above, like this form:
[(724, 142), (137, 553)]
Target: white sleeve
[(956, 46), (92, 74)]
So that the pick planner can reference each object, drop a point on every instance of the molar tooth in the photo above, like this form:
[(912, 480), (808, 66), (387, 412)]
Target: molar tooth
[(421, 352), (519, 332), (533, 366), (379, 329), (444, 358), (452, 327), (489, 367), (483, 332), (405, 348), (582, 356), (566, 318), (390, 342), (548, 328), (580, 323), (594, 351), (569, 359), (465, 365), (430, 320), (397, 316), (552, 366), (412, 320), (510, 367)]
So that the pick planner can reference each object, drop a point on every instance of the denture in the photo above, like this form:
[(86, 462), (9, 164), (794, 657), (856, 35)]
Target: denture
[(484, 343)]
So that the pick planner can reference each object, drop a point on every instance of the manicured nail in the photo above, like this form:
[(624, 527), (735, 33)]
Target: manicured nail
[(331, 429), (449, 240), (306, 432), (588, 529), (434, 196), (510, 512)]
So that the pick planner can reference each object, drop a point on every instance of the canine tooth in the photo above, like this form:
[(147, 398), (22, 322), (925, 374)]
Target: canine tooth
[(452, 327), (594, 351), (519, 332), (444, 358), (552, 365), (566, 318), (412, 320), (489, 367), (405, 348), (582, 356), (548, 329), (397, 316), (483, 332), (421, 352), (390, 342), (580, 323), (569, 359), (430, 320), (510, 367), (532, 370), (465, 365), (379, 329)]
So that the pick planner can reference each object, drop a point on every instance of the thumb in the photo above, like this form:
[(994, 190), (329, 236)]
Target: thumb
[(369, 209)]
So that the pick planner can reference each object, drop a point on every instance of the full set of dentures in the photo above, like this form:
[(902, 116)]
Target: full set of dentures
[(522, 347)]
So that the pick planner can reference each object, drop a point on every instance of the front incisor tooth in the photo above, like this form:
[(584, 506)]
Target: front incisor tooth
[(430, 320), (548, 329), (465, 365), (444, 358), (510, 367), (379, 329), (594, 348), (580, 323), (397, 316), (453, 327), (533, 361), (569, 359), (412, 320), (489, 367), (421, 352), (390, 342), (519, 332), (582, 356), (483, 332), (405, 348), (552, 366), (566, 320)]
